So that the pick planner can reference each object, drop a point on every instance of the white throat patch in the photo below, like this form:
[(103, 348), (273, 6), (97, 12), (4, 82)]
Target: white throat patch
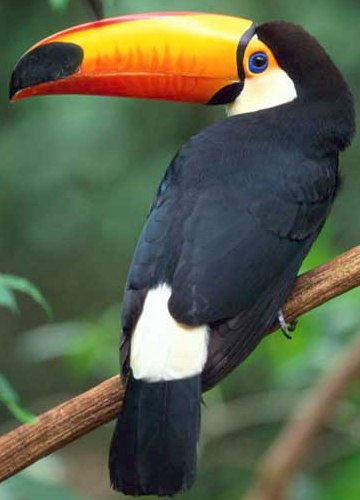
[(162, 348), (272, 88)]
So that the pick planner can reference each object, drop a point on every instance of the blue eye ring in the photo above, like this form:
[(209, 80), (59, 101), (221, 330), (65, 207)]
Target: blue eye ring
[(258, 62)]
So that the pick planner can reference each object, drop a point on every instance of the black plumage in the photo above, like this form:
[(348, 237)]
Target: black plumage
[(159, 426), (237, 212), (234, 217)]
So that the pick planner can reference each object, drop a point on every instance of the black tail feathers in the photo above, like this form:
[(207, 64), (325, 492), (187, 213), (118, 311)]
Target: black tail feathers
[(154, 446)]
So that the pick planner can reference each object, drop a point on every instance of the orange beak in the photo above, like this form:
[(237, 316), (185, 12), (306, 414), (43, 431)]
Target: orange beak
[(189, 57)]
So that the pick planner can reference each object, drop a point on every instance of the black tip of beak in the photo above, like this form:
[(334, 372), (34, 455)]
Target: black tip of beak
[(46, 63)]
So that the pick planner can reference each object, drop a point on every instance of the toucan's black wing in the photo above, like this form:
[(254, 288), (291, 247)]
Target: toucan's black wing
[(242, 234), (244, 243), (236, 268)]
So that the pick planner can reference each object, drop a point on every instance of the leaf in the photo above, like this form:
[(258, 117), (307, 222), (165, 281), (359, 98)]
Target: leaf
[(10, 283), (21, 414), (7, 393), (59, 4), (11, 400), (8, 300)]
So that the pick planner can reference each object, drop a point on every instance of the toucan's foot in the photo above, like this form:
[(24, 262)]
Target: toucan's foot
[(292, 326), (286, 328)]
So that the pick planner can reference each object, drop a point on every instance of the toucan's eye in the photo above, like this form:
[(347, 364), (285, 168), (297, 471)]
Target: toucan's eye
[(258, 62)]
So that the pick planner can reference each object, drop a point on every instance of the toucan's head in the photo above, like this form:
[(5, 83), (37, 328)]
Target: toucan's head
[(182, 56)]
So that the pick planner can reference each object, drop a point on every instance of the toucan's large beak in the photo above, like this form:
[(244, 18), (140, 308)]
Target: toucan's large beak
[(192, 57)]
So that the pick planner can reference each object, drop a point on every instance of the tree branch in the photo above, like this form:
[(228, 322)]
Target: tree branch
[(80, 415), (279, 465)]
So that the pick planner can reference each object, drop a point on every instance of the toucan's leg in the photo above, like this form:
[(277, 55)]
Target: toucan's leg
[(286, 328)]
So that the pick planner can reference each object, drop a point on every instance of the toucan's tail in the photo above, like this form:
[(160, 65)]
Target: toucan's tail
[(154, 447)]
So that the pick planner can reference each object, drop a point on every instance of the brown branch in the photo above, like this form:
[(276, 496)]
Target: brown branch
[(78, 416), (279, 465)]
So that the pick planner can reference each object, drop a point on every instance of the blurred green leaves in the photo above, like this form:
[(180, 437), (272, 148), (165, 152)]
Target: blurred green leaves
[(59, 4), (96, 6), (11, 400), (86, 348), (10, 284)]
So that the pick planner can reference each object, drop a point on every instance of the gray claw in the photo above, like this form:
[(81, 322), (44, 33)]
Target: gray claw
[(285, 328)]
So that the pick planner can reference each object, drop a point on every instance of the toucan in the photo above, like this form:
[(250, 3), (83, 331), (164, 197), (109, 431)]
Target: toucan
[(236, 213)]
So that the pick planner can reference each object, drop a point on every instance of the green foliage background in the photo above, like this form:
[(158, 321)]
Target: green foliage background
[(76, 178)]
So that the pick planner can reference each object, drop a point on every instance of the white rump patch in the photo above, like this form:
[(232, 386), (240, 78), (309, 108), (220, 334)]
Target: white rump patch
[(272, 88), (162, 348)]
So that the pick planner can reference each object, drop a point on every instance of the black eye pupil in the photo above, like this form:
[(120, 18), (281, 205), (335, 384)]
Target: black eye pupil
[(259, 61)]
